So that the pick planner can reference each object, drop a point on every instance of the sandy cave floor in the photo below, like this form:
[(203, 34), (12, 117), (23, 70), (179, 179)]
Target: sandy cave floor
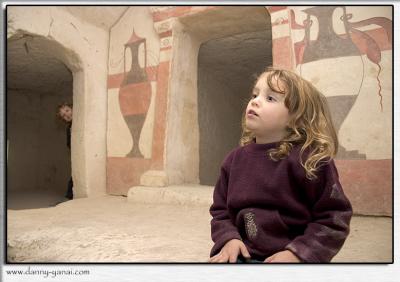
[(111, 229)]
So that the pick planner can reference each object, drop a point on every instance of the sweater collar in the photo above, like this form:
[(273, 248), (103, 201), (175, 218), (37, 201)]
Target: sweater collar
[(260, 148)]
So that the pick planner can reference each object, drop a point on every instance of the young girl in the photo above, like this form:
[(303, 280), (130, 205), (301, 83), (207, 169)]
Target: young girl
[(278, 198)]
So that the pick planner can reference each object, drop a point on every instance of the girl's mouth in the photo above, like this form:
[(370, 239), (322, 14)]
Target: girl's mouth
[(251, 113)]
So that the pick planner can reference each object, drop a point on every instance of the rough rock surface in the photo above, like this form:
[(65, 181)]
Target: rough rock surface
[(111, 229)]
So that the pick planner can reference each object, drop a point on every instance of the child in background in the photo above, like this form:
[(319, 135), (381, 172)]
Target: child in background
[(64, 112), (278, 197)]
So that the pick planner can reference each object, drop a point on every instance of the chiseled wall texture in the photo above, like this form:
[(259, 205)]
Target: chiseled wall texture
[(20, 125), (346, 52), (227, 69), (36, 142), (82, 47)]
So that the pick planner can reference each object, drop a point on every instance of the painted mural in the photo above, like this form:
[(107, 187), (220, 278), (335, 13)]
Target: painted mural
[(357, 81), (345, 51), (132, 83), (135, 93), (139, 71), (132, 99), (333, 42)]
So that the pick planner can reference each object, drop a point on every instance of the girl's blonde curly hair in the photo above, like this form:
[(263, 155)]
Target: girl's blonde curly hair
[(310, 123)]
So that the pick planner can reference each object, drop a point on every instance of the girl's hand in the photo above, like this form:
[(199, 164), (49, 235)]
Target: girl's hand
[(284, 256), (230, 252)]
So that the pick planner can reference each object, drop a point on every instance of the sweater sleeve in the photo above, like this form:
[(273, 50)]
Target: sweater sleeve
[(331, 212), (222, 227)]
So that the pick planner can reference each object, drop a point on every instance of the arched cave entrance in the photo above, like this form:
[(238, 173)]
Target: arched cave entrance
[(38, 159), (227, 69)]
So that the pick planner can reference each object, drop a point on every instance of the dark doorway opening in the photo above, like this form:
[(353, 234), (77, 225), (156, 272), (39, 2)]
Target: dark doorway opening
[(38, 159), (227, 69)]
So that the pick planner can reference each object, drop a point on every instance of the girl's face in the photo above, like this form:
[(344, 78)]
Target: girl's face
[(66, 113), (266, 113)]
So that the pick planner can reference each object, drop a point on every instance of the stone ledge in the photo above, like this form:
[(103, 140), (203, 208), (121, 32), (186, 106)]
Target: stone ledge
[(193, 195)]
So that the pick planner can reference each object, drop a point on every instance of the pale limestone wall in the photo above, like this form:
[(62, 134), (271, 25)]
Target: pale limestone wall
[(182, 150), (189, 32), (83, 48), (367, 127), (119, 139)]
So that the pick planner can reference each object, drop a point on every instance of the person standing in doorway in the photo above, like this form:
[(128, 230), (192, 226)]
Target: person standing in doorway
[(64, 112)]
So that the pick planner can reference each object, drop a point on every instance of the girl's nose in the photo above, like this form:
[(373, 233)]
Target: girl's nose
[(254, 102)]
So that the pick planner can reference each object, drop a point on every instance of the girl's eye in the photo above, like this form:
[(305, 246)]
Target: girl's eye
[(270, 98), (253, 96)]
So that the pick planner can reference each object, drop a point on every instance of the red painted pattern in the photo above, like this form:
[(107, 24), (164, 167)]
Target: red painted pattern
[(368, 185), (379, 35), (115, 80), (280, 22), (160, 116), (166, 48), (135, 98), (281, 53), (273, 9), (123, 173), (165, 34)]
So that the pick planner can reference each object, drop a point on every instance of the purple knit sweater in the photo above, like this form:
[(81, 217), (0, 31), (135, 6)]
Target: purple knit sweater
[(271, 206)]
